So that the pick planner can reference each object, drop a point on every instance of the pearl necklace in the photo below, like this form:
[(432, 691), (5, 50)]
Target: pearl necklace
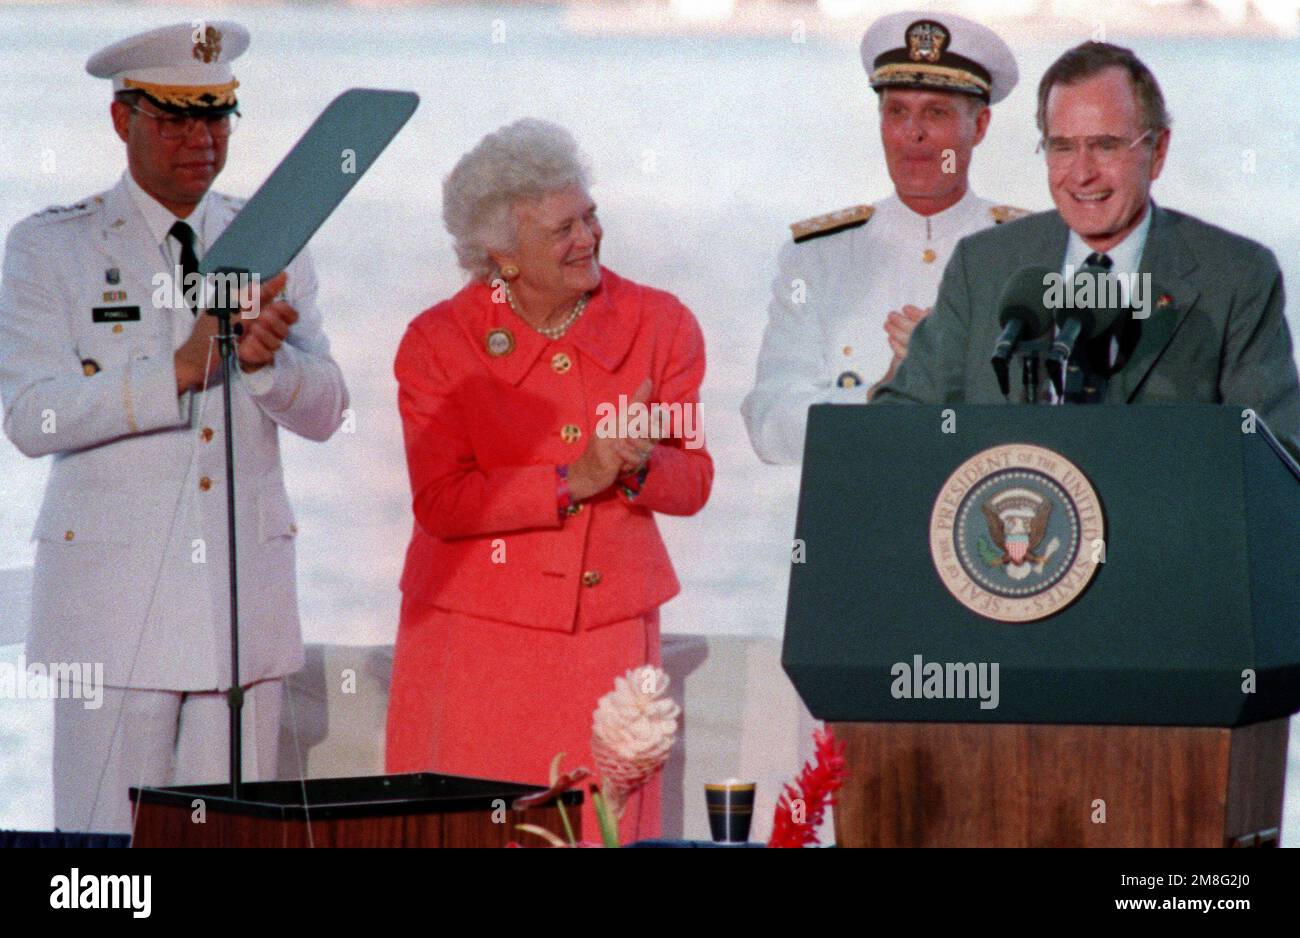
[(552, 332)]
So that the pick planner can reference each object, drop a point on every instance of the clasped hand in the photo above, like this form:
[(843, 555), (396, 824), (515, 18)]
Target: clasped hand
[(608, 457), (259, 337)]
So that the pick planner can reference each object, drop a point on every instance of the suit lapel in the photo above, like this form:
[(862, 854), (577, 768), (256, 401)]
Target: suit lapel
[(485, 317), (1048, 251), (130, 246), (605, 333), (127, 241), (1042, 244), (1167, 260)]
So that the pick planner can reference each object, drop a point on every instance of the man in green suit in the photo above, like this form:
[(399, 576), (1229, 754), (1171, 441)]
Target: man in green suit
[(1207, 323)]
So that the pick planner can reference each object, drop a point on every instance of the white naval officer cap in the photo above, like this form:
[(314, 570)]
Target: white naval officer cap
[(937, 51), (181, 68)]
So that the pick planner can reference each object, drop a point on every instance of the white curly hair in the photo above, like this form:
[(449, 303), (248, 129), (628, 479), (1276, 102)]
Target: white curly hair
[(522, 162)]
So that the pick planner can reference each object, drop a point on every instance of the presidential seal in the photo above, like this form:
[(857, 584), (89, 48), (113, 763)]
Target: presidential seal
[(1016, 533)]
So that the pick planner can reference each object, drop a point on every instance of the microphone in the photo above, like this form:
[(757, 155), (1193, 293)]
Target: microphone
[(1081, 322), (1023, 316)]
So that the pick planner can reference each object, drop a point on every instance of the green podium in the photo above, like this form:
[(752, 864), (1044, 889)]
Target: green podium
[(1049, 625)]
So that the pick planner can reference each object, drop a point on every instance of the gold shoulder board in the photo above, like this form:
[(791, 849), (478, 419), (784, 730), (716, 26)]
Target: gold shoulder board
[(831, 222), (1004, 213)]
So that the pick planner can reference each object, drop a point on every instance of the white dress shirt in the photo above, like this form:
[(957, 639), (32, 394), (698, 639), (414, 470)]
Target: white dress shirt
[(1125, 256), (160, 220), (1125, 259)]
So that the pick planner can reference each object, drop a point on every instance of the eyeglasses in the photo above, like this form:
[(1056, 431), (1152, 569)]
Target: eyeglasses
[(177, 127), (1103, 149)]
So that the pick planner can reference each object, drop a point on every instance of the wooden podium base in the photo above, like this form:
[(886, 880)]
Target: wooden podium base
[(421, 810), (1036, 785)]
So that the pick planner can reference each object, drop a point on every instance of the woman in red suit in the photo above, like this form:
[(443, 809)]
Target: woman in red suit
[(535, 570)]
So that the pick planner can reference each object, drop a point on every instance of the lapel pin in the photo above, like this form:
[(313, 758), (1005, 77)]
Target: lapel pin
[(500, 342), (1165, 300)]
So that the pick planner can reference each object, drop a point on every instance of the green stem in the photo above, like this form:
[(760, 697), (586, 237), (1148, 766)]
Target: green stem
[(564, 819), (608, 827)]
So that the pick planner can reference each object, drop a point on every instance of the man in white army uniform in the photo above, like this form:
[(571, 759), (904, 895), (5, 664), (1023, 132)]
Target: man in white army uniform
[(854, 283), (112, 375)]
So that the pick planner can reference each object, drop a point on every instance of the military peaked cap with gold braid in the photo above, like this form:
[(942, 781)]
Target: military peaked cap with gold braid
[(181, 68), (936, 51)]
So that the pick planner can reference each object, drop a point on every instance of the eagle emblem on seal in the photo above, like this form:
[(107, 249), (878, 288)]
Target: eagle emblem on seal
[(1017, 521)]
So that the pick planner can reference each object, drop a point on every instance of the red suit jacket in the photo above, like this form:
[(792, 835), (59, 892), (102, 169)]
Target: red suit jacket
[(485, 432)]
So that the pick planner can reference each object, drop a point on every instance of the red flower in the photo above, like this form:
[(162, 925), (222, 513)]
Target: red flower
[(801, 807)]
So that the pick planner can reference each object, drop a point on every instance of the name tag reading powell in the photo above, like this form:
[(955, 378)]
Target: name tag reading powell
[(116, 313)]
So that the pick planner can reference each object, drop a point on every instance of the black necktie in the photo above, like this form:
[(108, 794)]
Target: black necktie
[(1092, 358), (189, 260)]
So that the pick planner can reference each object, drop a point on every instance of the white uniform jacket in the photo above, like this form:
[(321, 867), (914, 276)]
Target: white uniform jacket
[(131, 566), (825, 339)]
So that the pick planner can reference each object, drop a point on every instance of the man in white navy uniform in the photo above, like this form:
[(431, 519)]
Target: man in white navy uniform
[(119, 380), (854, 283)]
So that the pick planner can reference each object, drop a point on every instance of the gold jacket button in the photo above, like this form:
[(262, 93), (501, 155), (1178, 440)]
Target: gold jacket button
[(561, 363), (591, 578), (928, 256), (571, 433), (204, 484), (117, 327), (206, 434), (68, 535)]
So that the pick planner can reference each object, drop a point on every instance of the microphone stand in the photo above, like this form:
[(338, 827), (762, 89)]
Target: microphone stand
[(1072, 392), (229, 366), (1029, 377)]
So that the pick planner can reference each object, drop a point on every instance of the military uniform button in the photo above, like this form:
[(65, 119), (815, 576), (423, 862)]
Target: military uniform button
[(68, 535), (591, 578), (206, 434), (571, 433), (928, 256), (848, 351), (561, 363), (204, 484), (117, 327)]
